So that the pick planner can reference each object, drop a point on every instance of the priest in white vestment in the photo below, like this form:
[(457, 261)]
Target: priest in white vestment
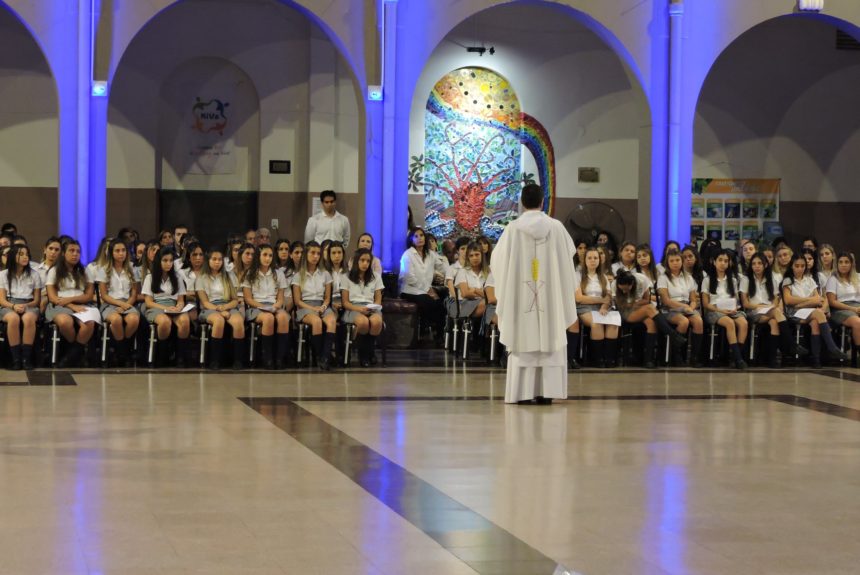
[(533, 268)]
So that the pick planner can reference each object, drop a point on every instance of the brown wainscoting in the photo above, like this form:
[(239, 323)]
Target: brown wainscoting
[(834, 223), (135, 208), (563, 206), (34, 211)]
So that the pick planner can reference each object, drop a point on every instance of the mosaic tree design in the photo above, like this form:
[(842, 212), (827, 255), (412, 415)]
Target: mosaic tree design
[(471, 170)]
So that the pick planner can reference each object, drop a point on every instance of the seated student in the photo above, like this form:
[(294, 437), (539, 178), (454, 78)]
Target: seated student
[(264, 303), (360, 288), (312, 295), (247, 255), (365, 241), (632, 298), (282, 254), (417, 271), (461, 246), (336, 267), (593, 296), (645, 265), (103, 260), (190, 269), (843, 295), (693, 265), (470, 281), (719, 290), (234, 251), (801, 291), (219, 304), (49, 257), (761, 301), (626, 259), (670, 245), (679, 300), (747, 251), (118, 291), (781, 265), (164, 293), (579, 258), (826, 264), (70, 291), (20, 292)]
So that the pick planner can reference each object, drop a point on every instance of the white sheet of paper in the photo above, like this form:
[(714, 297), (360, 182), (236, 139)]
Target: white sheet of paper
[(374, 307), (804, 313), (90, 314), (188, 307), (726, 303), (611, 318), (764, 310)]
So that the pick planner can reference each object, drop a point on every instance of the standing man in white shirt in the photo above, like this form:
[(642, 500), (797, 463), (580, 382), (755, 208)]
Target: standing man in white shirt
[(328, 224)]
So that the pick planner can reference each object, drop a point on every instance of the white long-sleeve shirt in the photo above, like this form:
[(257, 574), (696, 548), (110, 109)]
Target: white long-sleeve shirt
[(416, 274), (322, 227)]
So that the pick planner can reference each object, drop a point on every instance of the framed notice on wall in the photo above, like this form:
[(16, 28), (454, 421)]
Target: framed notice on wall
[(731, 209)]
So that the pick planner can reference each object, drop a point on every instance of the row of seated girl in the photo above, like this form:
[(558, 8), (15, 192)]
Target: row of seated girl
[(685, 297), (261, 294)]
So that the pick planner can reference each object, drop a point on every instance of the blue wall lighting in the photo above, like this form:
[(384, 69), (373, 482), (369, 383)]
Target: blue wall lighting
[(374, 93), (100, 89)]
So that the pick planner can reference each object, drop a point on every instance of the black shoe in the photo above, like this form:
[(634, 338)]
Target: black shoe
[(525, 402), (365, 362), (573, 364), (841, 356), (740, 364), (323, 364), (816, 363), (539, 400), (649, 365), (801, 351), (677, 339)]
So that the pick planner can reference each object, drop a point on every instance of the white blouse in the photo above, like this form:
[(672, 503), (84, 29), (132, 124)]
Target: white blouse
[(679, 287), (22, 287), (362, 294), (313, 289), (845, 291), (67, 288), (416, 274)]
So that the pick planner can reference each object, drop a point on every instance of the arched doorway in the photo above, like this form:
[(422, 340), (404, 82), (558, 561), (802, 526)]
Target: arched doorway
[(779, 104)]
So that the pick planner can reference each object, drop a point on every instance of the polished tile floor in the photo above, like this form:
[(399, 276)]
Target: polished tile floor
[(420, 470)]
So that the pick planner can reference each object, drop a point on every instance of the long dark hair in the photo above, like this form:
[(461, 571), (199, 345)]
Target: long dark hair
[(189, 248), (158, 275), (291, 265), (768, 276), (813, 271), (698, 272), (277, 263), (12, 264), (625, 300), (670, 245), (76, 272), (252, 274), (731, 276), (789, 273), (327, 259), (355, 274)]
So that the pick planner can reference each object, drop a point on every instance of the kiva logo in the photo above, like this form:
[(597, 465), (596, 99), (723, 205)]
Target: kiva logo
[(209, 116)]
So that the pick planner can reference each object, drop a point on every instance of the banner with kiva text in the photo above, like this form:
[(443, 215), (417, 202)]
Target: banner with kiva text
[(210, 144)]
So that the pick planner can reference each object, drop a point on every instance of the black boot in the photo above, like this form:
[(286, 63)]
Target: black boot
[(267, 351), (363, 357), (216, 349), (815, 344), (572, 350), (328, 342), (121, 352), (27, 357), (181, 352), (696, 341), (666, 328), (73, 355), (832, 348), (317, 347), (738, 356), (610, 352), (771, 348), (853, 356), (648, 351), (787, 344), (677, 355), (371, 349), (596, 353), (15, 352), (238, 353), (283, 350), (162, 353)]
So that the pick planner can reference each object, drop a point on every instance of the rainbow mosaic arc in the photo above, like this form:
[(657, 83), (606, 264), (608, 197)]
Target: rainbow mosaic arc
[(474, 133)]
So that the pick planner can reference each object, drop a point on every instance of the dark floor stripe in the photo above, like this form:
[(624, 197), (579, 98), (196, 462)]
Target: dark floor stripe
[(51, 378), (838, 374), (819, 406), (481, 544)]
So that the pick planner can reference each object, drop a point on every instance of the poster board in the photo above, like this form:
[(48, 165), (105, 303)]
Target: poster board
[(731, 209)]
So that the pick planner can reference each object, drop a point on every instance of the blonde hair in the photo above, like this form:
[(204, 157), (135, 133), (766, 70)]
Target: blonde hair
[(821, 267), (207, 275), (601, 277), (776, 265)]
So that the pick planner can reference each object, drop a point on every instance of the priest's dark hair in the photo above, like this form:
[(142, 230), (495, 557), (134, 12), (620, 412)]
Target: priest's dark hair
[(532, 196)]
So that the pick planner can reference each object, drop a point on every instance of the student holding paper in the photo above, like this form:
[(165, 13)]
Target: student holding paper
[(164, 292), (593, 297), (843, 294), (762, 304), (263, 287), (20, 292), (805, 305), (720, 302), (632, 297), (679, 300), (118, 290), (360, 289), (216, 292), (70, 290)]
